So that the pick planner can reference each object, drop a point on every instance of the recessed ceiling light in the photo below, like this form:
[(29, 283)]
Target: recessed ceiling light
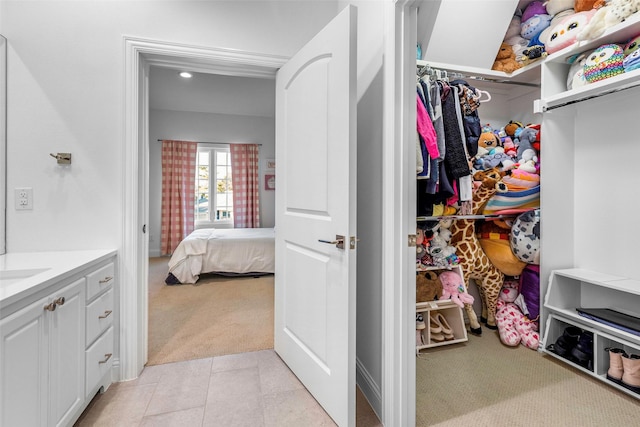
[(185, 75)]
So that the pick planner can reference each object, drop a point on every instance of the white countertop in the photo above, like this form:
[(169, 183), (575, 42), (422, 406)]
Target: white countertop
[(25, 273)]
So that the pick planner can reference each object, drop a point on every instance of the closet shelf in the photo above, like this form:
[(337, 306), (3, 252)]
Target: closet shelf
[(555, 69), (592, 90)]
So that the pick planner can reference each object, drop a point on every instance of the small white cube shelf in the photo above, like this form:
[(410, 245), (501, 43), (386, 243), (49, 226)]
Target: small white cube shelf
[(579, 288), (449, 310)]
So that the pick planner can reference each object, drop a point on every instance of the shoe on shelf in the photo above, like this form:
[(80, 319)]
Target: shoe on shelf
[(436, 338), (615, 364), (582, 353), (565, 342), (439, 320), (631, 372), (420, 321)]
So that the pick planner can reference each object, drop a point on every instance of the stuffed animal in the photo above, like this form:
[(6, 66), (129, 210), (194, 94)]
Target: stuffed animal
[(428, 286), (555, 20), (532, 9), (554, 7), (513, 326), (632, 45), (532, 27), (453, 288), (525, 237), (575, 78), (511, 127), (584, 5), (565, 32), (607, 16), (631, 62), (505, 59), (526, 140), (494, 239), (606, 61), (488, 138)]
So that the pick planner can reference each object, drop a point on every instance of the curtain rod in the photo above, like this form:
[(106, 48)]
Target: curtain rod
[(225, 143)]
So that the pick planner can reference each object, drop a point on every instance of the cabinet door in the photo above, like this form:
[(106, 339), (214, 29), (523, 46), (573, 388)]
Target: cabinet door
[(23, 366), (67, 339)]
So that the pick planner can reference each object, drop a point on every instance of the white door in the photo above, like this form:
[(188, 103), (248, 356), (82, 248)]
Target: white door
[(315, 200)]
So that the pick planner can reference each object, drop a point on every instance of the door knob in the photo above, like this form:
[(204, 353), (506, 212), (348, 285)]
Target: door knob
[(339, 241)]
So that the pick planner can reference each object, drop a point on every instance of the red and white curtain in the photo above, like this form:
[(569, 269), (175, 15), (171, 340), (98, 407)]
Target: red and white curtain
[(246, 191), (178, 192)]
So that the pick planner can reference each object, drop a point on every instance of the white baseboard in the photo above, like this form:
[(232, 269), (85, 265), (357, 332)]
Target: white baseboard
[(369, 388), (154, 253)]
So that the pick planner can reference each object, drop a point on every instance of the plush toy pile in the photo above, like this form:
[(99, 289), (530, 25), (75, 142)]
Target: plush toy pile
[(543, 28), (432, 245), (514, 326)]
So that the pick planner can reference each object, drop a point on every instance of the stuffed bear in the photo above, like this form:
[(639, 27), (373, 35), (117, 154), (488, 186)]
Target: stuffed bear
[(428, 286), (453, 288), (506, 59), (513, 326)]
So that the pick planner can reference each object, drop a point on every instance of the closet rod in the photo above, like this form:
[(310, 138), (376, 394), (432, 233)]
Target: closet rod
[(458, 74), (608, 92), (225, 143)]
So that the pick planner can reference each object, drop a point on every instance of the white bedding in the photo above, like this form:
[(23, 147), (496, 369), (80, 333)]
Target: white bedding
[(233, 250)]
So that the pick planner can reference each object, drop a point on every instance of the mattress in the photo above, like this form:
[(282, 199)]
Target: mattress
[(214, 250)]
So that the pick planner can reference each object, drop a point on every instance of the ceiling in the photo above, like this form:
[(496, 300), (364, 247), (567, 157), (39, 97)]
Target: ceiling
[(211, 93)]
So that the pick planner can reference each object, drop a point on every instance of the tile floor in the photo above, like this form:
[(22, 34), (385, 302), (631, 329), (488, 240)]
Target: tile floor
[(249, 389)]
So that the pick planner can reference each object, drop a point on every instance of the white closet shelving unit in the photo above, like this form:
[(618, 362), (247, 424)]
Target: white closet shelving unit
[(589, 241)]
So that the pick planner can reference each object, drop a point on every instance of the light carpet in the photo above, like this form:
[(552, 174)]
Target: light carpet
[(216, 316), (484, 383)]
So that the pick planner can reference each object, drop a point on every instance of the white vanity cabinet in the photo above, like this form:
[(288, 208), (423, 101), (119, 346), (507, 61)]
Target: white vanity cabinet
[(56, 346), (43, 359)]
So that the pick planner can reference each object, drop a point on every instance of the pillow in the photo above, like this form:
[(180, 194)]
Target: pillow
[(565, 32), (575, 78), (530, 289), (532, 9), (525, 237)]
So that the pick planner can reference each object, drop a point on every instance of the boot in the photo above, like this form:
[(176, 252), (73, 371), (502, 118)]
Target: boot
[(631, 372), (582, 353), (615, 365)]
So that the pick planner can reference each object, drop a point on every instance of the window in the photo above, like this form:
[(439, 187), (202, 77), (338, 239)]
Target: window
[(214, 192)]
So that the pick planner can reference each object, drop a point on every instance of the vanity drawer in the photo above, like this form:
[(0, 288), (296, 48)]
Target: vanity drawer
[(99, 316), (99, 358), (100, 280)]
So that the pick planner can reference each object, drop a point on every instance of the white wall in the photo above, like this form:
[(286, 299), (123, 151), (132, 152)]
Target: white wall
[(65, 70), (205, 127)]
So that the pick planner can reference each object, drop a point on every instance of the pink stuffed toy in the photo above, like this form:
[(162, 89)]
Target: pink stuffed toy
[(513, 325), (453, 288)]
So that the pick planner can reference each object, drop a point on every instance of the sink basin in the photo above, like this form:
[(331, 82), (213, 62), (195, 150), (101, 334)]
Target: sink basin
[(12, 276)]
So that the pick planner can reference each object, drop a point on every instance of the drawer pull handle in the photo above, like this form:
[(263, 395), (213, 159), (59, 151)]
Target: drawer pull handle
[(106, 314), (50, 307), (106, 358), (59, 301), (106, 280)]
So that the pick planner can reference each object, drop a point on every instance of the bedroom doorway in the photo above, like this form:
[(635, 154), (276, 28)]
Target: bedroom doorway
[(218, 315)]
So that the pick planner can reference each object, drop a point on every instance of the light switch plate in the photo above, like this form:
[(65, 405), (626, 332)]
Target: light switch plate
[(24, 198)]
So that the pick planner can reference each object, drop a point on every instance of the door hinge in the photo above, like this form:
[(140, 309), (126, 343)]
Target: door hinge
[(413, 240)]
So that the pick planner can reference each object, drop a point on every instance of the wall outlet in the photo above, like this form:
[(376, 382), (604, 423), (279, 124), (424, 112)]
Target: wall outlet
[(24, 198)]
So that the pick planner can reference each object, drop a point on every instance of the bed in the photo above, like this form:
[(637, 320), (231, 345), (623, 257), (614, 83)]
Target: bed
[(232, 251)]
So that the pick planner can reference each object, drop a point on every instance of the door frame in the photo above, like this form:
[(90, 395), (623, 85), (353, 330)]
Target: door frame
[(399, 214), (140, 55)]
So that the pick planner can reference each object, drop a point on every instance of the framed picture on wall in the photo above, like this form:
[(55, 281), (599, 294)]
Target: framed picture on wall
[(269, 182), (270, 164)]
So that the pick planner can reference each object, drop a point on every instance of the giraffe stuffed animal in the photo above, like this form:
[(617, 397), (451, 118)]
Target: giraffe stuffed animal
[(474, 262)]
